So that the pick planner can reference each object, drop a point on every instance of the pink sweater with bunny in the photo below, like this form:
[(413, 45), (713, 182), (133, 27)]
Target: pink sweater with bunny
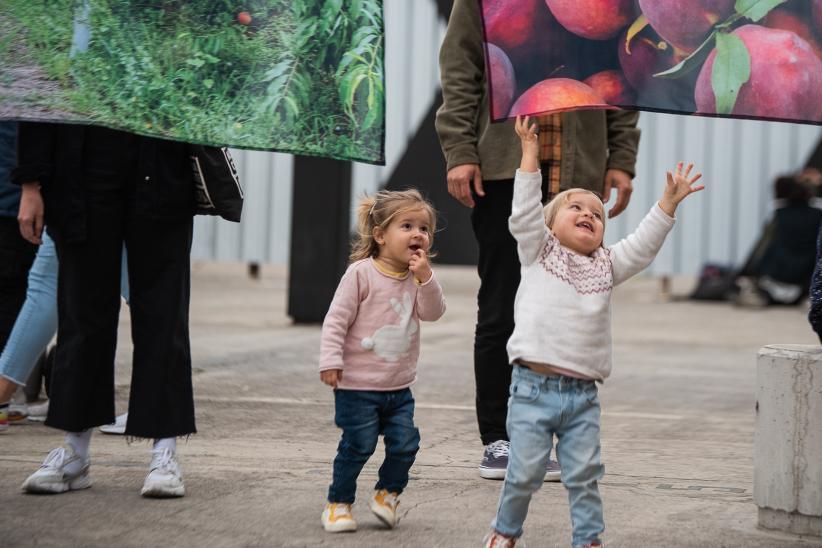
[(371, 331)]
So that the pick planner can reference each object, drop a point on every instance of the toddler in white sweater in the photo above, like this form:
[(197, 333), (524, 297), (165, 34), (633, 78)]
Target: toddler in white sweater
[(561, 345)]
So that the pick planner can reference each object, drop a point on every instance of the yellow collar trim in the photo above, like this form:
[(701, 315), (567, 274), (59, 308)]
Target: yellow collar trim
[(387, 272)]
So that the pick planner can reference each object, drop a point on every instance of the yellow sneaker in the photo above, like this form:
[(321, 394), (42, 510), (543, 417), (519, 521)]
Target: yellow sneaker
[(337, 518), (4, 420), (384, 505)]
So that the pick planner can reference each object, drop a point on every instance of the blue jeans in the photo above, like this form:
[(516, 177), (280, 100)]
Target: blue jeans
[(539, 408), (363, 415), (36, 323)]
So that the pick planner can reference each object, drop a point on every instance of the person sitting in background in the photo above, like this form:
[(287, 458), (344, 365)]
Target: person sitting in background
[(779, 269)]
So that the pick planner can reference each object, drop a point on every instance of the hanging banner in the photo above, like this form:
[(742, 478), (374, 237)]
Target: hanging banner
[(758, 59), (296, 76)]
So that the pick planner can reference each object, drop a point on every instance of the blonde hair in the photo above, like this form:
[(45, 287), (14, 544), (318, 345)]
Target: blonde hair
[(551, 208), (378, 210)]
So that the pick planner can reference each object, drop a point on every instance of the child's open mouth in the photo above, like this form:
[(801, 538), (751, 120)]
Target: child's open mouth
[(586, 225), (414, 247)]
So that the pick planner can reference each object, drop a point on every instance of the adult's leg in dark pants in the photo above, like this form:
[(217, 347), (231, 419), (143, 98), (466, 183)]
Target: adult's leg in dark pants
[(16, 257), (88, 305), (499, 272), (161, 403)]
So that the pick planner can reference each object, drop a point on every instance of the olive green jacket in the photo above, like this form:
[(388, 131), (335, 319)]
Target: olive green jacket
[(592, 140)]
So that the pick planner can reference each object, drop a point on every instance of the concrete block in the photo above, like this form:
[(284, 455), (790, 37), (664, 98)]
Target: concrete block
[(788, 439)]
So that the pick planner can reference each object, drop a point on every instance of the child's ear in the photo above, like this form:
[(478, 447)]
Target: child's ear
[(379, 235)]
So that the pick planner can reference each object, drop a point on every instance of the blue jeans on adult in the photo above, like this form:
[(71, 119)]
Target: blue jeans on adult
[(36, 323), (363, 415), (539, 408)]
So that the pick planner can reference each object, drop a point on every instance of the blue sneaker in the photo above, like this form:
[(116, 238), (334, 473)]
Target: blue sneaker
[(495, 460)]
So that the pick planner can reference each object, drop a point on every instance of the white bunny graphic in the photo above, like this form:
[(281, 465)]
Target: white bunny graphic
[(391, 342)]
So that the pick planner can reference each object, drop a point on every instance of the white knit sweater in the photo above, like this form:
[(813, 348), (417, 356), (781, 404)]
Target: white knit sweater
[(562, 311)]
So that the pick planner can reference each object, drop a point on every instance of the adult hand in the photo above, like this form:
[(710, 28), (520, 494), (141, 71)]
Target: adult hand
[(620, 181), (30, 216), (459, 183)]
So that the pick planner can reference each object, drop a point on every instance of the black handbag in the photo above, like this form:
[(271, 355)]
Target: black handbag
[(217, 187)]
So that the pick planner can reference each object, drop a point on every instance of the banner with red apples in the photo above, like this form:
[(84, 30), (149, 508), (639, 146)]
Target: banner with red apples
[(759, 59)]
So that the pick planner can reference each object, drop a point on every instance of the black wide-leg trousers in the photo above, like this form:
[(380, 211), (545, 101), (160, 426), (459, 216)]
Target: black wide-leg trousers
[(161, 402)]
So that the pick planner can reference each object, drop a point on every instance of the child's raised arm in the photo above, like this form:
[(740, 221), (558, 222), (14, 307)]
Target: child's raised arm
[(527, 224), (635, 252), (530, 144), (679, 187)]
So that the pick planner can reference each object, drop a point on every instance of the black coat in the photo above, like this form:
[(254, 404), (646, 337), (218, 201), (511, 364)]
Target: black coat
[(52, 154)]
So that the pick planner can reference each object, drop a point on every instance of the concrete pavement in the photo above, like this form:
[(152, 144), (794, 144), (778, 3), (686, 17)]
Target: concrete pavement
[(677, 434)]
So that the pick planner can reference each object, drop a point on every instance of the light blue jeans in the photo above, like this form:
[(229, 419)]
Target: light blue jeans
[(36, 324), (539, 408)]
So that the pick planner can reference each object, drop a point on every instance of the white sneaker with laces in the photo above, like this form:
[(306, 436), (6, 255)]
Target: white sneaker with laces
[(63, 470), (118, 427), (164, 478)]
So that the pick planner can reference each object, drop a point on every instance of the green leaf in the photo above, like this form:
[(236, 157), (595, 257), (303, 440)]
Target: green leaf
[(732, 68), (195, 62), (208, 83), (691, 62), (756, 9)]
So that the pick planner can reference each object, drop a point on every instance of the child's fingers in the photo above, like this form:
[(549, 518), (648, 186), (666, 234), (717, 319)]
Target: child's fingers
[(688, 169), (698, 188), (679, 168), (670, 178), (695, 178)]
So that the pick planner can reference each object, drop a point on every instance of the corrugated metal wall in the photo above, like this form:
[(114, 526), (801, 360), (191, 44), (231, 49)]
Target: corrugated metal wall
[(739, 160)]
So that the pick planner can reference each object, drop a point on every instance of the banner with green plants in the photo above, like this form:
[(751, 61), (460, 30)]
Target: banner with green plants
[(296, 76), (759, 59)]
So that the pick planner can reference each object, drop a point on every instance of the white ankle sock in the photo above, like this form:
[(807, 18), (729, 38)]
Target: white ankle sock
[(80, 441), (163, 443)]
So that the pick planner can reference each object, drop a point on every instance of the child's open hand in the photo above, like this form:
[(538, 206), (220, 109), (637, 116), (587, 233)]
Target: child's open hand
[(678, 187), (419, 265), (331, 377), (529, 138)]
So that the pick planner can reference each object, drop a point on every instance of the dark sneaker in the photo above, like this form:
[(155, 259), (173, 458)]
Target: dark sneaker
[(495, 460), (552, 472)]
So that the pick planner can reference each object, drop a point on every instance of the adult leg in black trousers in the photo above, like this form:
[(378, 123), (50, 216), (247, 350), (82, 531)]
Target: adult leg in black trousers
[(161, 401), (499, 272), (161, 404)]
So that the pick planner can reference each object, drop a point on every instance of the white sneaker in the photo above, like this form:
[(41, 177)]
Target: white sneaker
[(63, 470), (118, 427), (337, 518), (384, 505), (164, 479), (38, 411)]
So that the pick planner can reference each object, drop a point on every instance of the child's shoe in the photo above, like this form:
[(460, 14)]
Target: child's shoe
[(337, 518), (497, 540), (384, 505), (4, 420)]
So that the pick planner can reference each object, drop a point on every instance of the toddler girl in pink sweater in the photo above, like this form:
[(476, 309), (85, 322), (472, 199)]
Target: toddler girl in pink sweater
[(369, 349)]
